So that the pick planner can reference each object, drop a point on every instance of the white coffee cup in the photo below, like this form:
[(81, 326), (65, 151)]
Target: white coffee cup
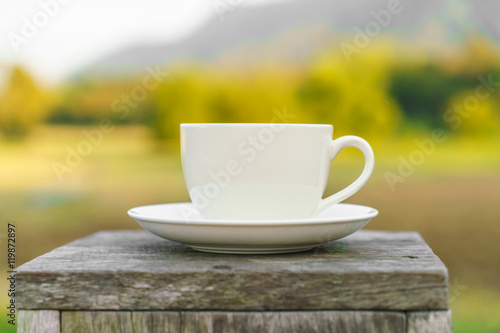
[(264, 171)]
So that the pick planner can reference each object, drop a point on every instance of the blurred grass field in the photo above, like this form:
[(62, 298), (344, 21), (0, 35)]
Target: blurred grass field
[(451, 199)]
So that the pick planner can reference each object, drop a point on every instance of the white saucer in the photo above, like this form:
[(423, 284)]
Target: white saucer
[(182, 223)]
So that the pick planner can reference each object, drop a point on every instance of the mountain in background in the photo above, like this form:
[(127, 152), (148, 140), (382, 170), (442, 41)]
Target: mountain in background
[(289, 32)]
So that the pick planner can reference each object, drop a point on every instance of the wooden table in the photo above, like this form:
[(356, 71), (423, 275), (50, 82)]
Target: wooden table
[(132, 281)]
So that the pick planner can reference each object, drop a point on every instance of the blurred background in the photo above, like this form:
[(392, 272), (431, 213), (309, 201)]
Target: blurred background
[(92, 95)]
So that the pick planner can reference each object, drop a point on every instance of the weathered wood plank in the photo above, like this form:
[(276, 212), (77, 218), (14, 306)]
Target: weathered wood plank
[(342, 321), (196, 322), (271, 322), (223, 322), (45, 321), (233, 322), (134, 270), (189, 322), (156, 322), (429, 322), (120, 321), (95, 321), (248, 322)]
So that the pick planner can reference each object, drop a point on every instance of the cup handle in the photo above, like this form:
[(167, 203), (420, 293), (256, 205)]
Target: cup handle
[(336, 146)]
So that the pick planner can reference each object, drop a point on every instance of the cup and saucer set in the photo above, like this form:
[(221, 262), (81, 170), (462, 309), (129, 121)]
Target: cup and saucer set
[(257, 188)]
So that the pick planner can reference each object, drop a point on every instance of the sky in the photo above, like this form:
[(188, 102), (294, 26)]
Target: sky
[(54, 38)]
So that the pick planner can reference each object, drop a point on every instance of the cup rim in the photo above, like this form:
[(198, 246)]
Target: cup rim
[(252, 125)]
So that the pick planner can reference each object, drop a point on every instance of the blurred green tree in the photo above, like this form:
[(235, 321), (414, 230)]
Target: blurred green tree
[(423, 92)]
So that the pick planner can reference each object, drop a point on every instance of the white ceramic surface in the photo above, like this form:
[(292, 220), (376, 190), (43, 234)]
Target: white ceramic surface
[(264, 171), (181, 222)]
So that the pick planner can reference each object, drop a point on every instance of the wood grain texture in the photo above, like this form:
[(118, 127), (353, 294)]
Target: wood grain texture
[(156, 322), (120, 321), (429, 322), (44, 321), (342, 321), (134, 270), (233, 322)]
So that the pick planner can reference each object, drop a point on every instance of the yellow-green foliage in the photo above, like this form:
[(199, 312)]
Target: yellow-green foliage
[(202, 96), (479, 119), (88, 102), (352, 95), (381, 91), (22, 104)]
